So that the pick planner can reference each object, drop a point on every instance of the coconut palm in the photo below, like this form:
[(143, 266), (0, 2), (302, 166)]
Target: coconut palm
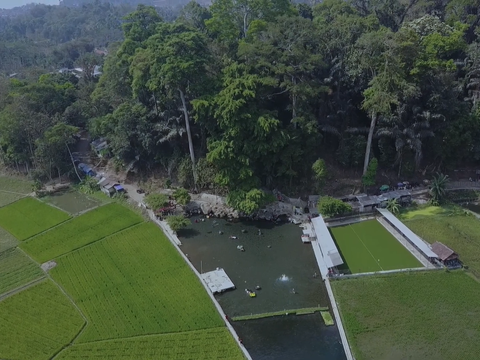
[(438, 187), (408, 132), (393, 206)]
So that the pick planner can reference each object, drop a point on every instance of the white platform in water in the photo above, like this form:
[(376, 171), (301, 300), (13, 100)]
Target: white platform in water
[(217, 281)]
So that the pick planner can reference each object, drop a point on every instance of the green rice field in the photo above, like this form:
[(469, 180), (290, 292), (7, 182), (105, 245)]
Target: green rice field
[(8, 198), (134, 283), (15, 185), (7, 240), (209, 344), (368, 247), (431, 315), (28, 217), (80, 231), (37, 323), (458, 231), (126, 293), (16, 269)]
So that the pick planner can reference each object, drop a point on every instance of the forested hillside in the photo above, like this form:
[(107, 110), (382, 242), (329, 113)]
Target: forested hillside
[(249, 94)]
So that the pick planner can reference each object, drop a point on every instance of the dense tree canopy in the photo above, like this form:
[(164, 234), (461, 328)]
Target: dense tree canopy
[(248, 95)]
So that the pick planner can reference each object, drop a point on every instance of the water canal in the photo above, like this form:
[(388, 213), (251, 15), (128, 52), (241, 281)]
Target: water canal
[(286, 270)]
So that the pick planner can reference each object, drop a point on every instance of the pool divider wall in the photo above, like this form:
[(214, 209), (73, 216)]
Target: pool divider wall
[(304, 311)]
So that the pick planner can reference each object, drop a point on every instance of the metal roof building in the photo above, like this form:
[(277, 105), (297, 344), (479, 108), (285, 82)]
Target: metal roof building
[(217, 281), (409, 234), (330, 253)]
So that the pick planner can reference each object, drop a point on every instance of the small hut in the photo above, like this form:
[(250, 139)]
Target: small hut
[(447, 256)]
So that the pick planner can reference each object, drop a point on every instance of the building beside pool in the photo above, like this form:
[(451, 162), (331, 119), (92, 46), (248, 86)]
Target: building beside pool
[(328, 249), (369, 203)]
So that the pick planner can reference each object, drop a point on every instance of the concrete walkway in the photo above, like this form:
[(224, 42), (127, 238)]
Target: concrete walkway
[(336, 313), (406, 243)]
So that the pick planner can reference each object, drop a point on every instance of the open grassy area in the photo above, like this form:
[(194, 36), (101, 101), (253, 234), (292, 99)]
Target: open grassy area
[(453, 228), (8, 198), (7, 240), (135, 283), (367, 247), (209, 344), (28, 217), (15, 185), (16, 269), (80, 231), (13, 189), (36, 323), (423, 315)]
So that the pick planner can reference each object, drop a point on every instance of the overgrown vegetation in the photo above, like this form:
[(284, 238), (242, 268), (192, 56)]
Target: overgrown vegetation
[(181, 196), (328, 206), (156, 201), (243, 96), (177, 222)]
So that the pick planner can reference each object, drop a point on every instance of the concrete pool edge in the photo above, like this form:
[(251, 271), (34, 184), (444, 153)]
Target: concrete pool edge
[(336, 313), (175, 242)]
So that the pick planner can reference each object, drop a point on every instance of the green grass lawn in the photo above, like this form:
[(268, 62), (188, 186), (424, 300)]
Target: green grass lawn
[(367, 247), (80, 231), (16, 269), (28, 217), (209, 344), (135, 283), (36, 323), (430, 315), (458, 231)]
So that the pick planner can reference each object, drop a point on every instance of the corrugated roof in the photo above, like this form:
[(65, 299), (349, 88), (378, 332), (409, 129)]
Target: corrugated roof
[(443, 251), (408, 233), (329, 250)]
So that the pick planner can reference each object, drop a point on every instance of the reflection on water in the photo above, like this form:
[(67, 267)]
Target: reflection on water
[(291, 337), (283, 269)]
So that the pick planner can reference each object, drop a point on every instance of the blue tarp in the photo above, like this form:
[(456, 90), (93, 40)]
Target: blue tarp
[(86, 169), (119, 188)]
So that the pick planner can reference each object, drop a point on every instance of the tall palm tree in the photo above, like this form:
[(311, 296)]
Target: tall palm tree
[(438, 187), (393, 206), (408, 132)]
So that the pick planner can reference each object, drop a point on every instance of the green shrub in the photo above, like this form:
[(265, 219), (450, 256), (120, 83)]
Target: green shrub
[(369, 178), (89, 185), (182, 196), (156, 201), (248, 202), (177, 222), (319, 173), (329, 206)]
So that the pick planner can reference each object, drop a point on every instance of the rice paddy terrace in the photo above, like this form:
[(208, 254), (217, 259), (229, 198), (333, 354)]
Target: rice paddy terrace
[(117, 289)]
